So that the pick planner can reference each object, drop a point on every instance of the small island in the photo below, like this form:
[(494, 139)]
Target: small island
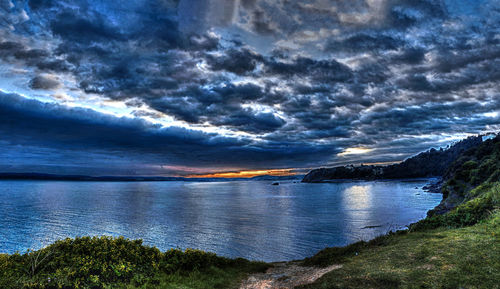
[(456, 245), (250, 144)]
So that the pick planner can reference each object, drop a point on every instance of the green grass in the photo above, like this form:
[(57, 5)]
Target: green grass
[(440, 258), (212, 277), (479, 205), (460, 249)]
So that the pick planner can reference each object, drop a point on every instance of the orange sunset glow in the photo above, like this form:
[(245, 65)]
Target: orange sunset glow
[(247, 174)]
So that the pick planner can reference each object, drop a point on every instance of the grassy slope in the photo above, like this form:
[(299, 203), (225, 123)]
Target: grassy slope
[(458, 249), (466, 257)]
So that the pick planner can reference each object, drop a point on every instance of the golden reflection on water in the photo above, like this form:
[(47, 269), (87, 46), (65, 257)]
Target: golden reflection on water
[(358, 197), (253, 220), (358, 203)]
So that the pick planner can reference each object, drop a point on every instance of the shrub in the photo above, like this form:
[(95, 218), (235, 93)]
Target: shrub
[(98, 262), (175, 260), (469, 165), (90, 262)]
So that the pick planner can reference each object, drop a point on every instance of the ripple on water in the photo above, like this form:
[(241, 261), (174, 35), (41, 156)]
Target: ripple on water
[(236, 219)]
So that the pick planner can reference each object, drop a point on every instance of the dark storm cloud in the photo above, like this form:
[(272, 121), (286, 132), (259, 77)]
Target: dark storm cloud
[(320, 70), (111, 50), (38, 4), (365, 41), (75, 28), (236, 61), (405, 13), (182, 109), (36, 124), (294, 77), (411, 55), (10, 48), (425, 119), (452, 60), (252, 122), (482, 72), (221, 105), (16, 51), (44, 82)]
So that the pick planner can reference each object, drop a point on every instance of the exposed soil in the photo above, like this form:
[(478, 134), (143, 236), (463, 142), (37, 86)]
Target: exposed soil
[(285, 275)]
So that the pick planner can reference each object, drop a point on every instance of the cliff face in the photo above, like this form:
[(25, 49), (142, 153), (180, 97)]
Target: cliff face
[(432, 163)]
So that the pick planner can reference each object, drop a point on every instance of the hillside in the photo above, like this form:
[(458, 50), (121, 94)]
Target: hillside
[(455, 249), (432, 163), (478, 166)]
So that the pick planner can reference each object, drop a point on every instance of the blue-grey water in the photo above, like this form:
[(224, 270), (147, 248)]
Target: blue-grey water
[(251, 219)]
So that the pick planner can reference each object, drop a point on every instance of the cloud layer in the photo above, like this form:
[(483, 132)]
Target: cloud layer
[(192, 85)]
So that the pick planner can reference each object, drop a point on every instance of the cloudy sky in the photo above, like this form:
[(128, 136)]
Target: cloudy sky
[(183, 87)]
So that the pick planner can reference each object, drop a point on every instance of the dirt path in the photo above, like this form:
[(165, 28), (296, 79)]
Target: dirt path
[(285, 276)]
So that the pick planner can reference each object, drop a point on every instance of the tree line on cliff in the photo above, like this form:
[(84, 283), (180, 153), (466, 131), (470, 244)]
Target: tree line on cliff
[(431, 163)]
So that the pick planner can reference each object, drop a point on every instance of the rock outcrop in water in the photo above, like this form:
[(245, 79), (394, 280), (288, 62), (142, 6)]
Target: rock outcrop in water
[(432, 163)]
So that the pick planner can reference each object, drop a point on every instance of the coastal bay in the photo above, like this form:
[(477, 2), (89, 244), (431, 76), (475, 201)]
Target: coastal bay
[(248, 219)]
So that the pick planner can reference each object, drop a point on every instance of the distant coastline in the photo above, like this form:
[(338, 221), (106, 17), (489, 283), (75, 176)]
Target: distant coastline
[(454, 246), (85, 178), (428, 164)]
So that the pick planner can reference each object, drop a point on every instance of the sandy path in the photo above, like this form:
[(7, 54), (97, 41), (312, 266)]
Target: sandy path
[(285, 276)]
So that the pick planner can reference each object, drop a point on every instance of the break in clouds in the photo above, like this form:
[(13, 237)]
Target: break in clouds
[(192, 86)]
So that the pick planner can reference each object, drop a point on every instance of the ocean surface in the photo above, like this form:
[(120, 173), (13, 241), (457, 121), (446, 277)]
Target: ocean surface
[(252, 219)]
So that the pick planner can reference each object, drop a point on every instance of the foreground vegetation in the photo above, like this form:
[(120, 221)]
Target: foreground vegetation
[(449, 256), (105, 262), (457, 249)]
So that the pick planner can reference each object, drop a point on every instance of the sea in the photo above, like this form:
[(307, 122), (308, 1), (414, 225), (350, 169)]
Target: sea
[(250, 219)]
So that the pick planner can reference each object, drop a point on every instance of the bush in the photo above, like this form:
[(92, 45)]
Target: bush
[(89, 262), (469, 165), (175, 260), (98, 262)]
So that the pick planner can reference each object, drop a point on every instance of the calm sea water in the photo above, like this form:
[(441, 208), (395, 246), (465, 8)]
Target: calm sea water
[(253, 220)]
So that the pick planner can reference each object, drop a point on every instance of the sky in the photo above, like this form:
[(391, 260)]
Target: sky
[(202, 87)]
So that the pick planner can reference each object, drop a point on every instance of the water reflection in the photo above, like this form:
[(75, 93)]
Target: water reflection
[(357, 202), (237, 219), (357, 197)]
